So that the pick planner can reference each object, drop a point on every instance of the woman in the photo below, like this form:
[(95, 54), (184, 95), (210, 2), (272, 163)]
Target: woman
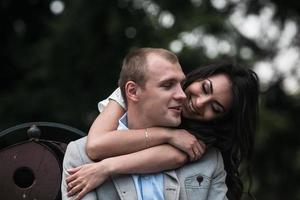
[(221, 110), (233, 133)]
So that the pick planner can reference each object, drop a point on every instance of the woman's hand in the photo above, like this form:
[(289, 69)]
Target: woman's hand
[(188, 143), (85, 178)]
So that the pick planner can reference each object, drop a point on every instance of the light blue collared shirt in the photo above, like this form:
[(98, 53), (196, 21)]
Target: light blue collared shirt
[(148, 186)]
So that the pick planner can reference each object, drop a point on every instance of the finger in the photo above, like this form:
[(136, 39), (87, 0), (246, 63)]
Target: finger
[(197, 152), (71, 178), (70, 186), (191, 155), (200, 148), (74, 190), (202, 144), (73, 170), (73, 184), (81, 194)]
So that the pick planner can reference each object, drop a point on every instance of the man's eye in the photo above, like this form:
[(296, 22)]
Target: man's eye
[(167, 85)]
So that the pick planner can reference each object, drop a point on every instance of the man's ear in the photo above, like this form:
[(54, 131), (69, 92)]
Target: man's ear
[(132, 91)]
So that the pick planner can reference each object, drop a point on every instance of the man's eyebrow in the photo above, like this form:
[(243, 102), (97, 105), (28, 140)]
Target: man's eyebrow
[(171, 80)]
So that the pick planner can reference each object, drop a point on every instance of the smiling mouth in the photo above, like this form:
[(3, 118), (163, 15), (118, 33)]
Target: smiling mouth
[(176, 108), (191, 107)]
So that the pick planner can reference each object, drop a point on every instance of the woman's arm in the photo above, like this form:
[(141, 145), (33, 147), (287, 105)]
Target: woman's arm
[(103, 138), (105, 141), (85, 178), (105, 123)]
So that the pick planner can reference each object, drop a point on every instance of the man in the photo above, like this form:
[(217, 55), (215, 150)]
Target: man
[(157, 85)]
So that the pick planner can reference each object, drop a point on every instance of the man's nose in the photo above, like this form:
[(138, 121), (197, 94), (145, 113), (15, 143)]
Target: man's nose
[(180, 95)]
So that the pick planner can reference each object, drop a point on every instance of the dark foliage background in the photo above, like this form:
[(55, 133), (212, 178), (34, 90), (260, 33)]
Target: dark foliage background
[(59, 58)]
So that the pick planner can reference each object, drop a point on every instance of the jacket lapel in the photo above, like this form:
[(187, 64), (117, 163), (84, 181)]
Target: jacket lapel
[(125, 187), (171, 185)]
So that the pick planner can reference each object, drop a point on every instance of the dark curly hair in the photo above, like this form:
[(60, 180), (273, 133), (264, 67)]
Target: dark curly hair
[(234, 133)]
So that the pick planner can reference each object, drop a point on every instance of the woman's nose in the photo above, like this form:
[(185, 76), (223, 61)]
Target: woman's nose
[(201, 101)]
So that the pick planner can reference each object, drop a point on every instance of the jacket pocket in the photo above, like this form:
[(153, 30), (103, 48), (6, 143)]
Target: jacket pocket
[(197, 186)]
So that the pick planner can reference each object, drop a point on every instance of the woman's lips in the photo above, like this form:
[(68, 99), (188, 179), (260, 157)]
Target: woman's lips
[(190, 107)]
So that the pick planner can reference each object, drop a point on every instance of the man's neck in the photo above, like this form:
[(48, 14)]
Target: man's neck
[(135, 121)]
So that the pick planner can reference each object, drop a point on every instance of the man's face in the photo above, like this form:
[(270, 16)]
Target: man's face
[(162, 97)]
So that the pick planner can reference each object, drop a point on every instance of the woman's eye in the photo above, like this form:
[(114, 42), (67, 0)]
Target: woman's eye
[(217, 109), (205, 88)]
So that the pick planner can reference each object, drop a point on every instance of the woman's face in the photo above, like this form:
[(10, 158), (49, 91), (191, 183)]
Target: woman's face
[(208, 99)]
